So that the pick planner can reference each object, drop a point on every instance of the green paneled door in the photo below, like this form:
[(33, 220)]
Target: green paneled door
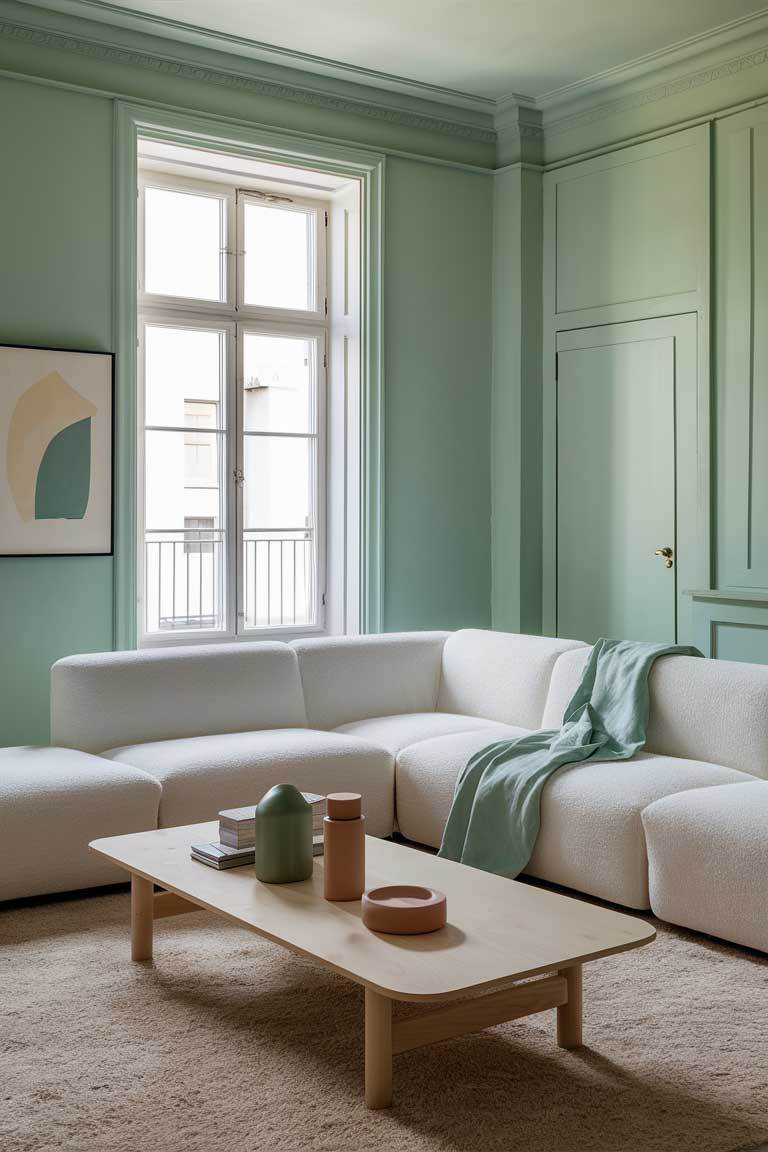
[(616, 447)]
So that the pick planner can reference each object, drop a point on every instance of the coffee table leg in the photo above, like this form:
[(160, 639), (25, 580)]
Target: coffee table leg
[(378, 1050), (142, 907), (569, 1015)]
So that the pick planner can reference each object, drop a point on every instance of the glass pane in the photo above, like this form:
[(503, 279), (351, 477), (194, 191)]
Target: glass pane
[(183, 237), (185, 367), (279, 482), (278, 263), (185, 551), (278, 383)]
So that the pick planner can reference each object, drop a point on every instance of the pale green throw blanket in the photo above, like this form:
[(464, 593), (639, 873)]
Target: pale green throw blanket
[(494, 818)]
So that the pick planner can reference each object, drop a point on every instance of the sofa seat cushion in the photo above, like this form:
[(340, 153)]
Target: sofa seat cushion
[(396, 732), (425, 777), (591, 835), (708, 861), (53, 802), (203, 775)]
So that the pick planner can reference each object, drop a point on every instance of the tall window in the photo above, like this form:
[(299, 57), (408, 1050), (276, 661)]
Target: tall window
[(233, 350)]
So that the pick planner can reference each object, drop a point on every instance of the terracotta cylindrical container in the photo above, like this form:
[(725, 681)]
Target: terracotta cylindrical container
[(404, 909), (344, 847), (283, 847)]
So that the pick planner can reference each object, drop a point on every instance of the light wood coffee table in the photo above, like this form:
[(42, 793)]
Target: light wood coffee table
[(498, 931)]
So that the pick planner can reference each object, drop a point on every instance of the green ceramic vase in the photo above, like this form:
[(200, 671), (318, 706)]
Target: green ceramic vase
[(283, 836)]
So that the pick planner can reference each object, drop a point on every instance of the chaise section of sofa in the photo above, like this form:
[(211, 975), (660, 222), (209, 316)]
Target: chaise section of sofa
[(53, 802), (708, 861)]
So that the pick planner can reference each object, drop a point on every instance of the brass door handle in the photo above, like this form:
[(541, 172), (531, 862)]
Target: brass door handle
[(668, 555)]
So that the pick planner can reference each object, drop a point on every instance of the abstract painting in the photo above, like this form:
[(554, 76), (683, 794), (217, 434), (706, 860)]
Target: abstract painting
[(56, 452)]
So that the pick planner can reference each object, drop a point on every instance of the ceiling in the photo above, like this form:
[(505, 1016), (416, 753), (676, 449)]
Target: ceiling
[(486, 48)]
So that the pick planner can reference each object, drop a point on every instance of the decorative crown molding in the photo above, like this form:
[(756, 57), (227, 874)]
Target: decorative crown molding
[(750, 30), (518, 125), (120, 16), (240, 81), (675, 86), (519, 134)]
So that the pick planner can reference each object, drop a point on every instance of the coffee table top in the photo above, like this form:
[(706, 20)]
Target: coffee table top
[(498, 930)]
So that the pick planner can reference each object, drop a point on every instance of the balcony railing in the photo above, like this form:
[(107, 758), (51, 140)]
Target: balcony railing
[(278, 578), (185, 579)]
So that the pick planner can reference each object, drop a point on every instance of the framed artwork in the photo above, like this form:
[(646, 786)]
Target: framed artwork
[(56, 452)]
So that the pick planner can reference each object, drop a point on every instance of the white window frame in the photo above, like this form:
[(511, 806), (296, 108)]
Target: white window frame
[(319, 211), (189, 186), (235, 318)]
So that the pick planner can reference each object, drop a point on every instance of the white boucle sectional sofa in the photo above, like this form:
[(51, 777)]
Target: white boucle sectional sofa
[(396, 717)]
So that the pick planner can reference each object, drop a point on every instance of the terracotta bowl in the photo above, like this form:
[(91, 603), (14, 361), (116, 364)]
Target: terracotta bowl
[(404, 909)]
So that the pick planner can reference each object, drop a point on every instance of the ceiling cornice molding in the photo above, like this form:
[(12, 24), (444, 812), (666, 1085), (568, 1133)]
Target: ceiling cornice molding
[(517, 124), (519, 134), (747, 33), (118, 17), (566, 118), (644, 70), (234, 79)]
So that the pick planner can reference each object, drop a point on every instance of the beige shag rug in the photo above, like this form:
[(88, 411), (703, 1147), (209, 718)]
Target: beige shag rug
[(229, 1044)]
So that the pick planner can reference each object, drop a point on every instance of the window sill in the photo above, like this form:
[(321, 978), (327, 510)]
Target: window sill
[(186, 639)]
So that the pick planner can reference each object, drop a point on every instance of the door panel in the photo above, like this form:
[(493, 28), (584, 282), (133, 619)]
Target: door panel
[(616, 481), (742, 350)]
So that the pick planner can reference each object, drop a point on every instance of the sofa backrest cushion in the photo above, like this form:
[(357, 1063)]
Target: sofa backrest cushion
[(499, 675), (349, 678), (109, 699), (712, 710), (566, 676)]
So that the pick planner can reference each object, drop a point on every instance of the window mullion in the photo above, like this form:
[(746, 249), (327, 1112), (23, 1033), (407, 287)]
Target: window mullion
[(241, 576)]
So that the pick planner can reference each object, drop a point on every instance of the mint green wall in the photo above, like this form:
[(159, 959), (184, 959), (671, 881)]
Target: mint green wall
[(437, 323), (516, 401), (56, 288)]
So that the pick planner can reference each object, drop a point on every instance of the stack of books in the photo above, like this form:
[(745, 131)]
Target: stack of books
[(237, 825), (237, 831), (221, 855)]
